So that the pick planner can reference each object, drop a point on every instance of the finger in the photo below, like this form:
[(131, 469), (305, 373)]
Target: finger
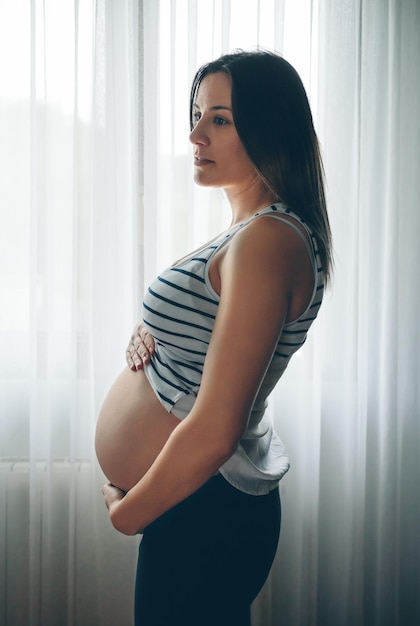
[(146, 355), (147, 340), (129, 359), (133, 360), (137, 355), (105, 488), (150, 344)]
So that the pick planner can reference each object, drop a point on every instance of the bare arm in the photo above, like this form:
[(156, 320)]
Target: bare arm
[(257, 279)]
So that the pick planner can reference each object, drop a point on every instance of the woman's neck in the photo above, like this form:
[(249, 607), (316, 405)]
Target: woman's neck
[(249, 200)]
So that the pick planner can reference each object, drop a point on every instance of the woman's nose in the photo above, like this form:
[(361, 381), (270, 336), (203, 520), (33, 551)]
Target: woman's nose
[(198, 134)]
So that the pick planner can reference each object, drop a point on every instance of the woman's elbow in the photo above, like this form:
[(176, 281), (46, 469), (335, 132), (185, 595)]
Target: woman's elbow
[(122, 522), (223, 448)]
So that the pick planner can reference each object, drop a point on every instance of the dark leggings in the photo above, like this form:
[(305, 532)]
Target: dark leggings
[(204, 561)]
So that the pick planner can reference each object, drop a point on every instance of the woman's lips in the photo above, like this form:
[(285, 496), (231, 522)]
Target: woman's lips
[(200, 161)]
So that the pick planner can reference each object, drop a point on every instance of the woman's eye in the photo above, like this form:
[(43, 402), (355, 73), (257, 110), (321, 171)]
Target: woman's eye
[(218, 121)]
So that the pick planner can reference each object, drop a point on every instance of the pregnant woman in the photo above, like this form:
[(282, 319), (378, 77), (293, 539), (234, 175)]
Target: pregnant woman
[(193, 461)]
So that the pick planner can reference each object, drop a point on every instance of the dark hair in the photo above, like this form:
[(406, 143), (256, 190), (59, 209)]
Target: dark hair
[(273, 119)]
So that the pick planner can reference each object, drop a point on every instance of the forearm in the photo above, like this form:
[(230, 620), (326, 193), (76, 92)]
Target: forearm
[(189, 458)]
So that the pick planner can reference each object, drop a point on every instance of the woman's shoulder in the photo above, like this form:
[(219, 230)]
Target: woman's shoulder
[(273, 256), (272, 231)]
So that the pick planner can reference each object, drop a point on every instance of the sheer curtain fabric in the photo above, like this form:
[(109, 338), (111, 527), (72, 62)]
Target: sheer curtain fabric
[(69, 279)]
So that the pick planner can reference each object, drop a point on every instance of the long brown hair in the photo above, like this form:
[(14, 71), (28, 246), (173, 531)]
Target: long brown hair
[(273, 119)]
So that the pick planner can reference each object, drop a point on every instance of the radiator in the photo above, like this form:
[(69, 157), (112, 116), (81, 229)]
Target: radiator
[(61, 561), (48, 555)]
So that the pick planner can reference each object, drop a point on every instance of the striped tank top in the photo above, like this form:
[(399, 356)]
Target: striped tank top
[(179, 310)]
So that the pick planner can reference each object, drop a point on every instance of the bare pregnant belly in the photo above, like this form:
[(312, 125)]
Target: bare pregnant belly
[(132, 429)]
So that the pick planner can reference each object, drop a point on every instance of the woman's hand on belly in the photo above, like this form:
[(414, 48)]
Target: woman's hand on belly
[(140, 348)]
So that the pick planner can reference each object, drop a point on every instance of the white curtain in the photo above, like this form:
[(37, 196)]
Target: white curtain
[(76, 250), (350, 408), (70, 291)]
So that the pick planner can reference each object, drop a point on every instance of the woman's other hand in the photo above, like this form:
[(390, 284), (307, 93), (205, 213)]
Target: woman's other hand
[(111, 495), (140, 349)]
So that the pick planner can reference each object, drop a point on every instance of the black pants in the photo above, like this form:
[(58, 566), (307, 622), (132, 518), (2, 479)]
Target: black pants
[(204, 561)]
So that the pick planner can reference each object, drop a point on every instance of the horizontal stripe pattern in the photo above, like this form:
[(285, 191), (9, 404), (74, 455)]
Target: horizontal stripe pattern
[(179, 310)]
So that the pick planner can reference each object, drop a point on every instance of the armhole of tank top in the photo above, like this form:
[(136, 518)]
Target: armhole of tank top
[(307, 240), (221, 244), (206, 276)]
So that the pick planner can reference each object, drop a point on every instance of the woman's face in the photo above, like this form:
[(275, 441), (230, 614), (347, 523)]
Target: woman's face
[(220, 160)]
